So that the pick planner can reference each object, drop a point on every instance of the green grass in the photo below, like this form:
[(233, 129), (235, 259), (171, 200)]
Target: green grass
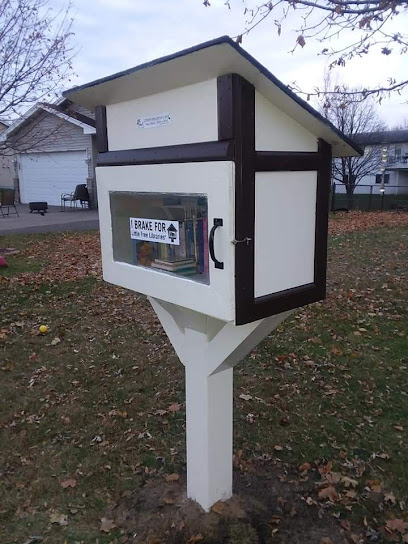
[(331, 384)]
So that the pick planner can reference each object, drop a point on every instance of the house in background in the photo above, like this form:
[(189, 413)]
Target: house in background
[(56, 151), (6, 165), (396, 167)]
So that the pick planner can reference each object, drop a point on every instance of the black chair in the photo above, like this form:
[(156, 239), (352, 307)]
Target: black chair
[(80, 194), (7, 197)]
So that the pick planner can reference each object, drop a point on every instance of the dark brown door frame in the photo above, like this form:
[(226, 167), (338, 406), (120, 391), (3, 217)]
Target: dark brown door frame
[(236, 119)]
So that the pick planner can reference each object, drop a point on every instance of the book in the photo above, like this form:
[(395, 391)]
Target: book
[(205, 238), (174, 267), (200, 245)]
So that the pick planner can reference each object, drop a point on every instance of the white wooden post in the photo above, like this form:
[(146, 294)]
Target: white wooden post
[(209, 349), (209, 436)]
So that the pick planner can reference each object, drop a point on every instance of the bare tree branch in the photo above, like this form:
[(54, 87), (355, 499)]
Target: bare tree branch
[(364, 26)]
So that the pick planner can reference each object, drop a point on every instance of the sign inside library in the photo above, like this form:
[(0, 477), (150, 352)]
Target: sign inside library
[(155, 230)]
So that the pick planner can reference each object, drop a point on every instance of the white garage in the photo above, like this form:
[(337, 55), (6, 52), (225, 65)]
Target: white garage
[(45, 176), (56, 151)]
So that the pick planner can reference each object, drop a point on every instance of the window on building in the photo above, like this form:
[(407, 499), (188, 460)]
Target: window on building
[(397, 152), (378, 178)]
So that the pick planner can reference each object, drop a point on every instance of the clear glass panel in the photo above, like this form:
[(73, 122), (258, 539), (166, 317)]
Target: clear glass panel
[(167, 232)]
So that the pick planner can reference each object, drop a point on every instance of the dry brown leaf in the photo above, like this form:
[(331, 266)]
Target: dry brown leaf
[(174, 407), (55, 342), (345, 525), (196, 538), (326, 540), (398, 427), (218, 507), (107, 525), (278, 448), (397, 525), (172, 478), (390, 497), (167, 500), (245, 397), (305, 467), (348, 482), (61, 519), (71, 482), (332, 477), (328, 493)]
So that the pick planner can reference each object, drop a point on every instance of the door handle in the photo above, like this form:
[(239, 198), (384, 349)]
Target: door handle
[(217, 263)]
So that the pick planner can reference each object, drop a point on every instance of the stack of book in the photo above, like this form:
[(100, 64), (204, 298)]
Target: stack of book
[(190, 256), (184, 267)]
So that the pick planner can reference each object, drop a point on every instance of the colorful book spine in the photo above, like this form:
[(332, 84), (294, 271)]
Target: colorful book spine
[(200, 245), (205, 237)]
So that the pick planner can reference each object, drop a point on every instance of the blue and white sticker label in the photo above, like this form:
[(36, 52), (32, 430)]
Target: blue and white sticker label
[(155, 121)]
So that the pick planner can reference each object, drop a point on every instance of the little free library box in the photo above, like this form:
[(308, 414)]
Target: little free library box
[(213, 183)]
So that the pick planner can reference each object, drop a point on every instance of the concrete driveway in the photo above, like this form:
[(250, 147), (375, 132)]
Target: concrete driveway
[(53, 221)]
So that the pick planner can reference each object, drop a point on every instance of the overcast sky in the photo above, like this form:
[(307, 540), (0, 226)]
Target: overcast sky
[(113, 35)]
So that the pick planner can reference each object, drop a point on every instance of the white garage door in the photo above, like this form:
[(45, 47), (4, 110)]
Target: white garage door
[(45, 176)]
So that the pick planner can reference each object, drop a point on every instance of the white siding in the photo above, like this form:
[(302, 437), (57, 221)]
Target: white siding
[(47, 132), (193, 111), (275, 131)]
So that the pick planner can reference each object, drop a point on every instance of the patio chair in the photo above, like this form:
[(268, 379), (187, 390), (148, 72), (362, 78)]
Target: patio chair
[(7, 197), (80, 194)]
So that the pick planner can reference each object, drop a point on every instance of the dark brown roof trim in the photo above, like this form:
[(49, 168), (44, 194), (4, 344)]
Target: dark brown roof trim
[(243, 53)]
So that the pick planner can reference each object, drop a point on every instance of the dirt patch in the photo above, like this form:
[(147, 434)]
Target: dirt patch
[(267, 507)]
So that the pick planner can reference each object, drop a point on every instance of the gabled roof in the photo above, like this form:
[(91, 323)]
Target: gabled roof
[(202, 62), (86, 123), (384, 137)]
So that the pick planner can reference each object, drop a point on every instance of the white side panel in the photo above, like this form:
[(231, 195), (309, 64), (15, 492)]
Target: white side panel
[(193, 112), (215, 179), (276, 131), (45, 176), (284, 230)]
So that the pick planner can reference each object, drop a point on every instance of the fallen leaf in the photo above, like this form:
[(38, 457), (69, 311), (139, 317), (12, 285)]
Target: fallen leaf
[(172, 478), (218, 507), (398, 427), (55, 341), (196, 538), (245, 397), (328, 493), (174, 407), (61, 519), (326, 540), (397, 525), (305, 467), (389, 497), (119, 413), (345, 525), (310, 501), (167, 500), (71, 482), (160, 412), (278, 448), (107, 525), (348, 482)]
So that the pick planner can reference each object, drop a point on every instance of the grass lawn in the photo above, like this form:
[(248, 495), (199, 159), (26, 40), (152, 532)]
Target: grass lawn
[(93, 415)]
